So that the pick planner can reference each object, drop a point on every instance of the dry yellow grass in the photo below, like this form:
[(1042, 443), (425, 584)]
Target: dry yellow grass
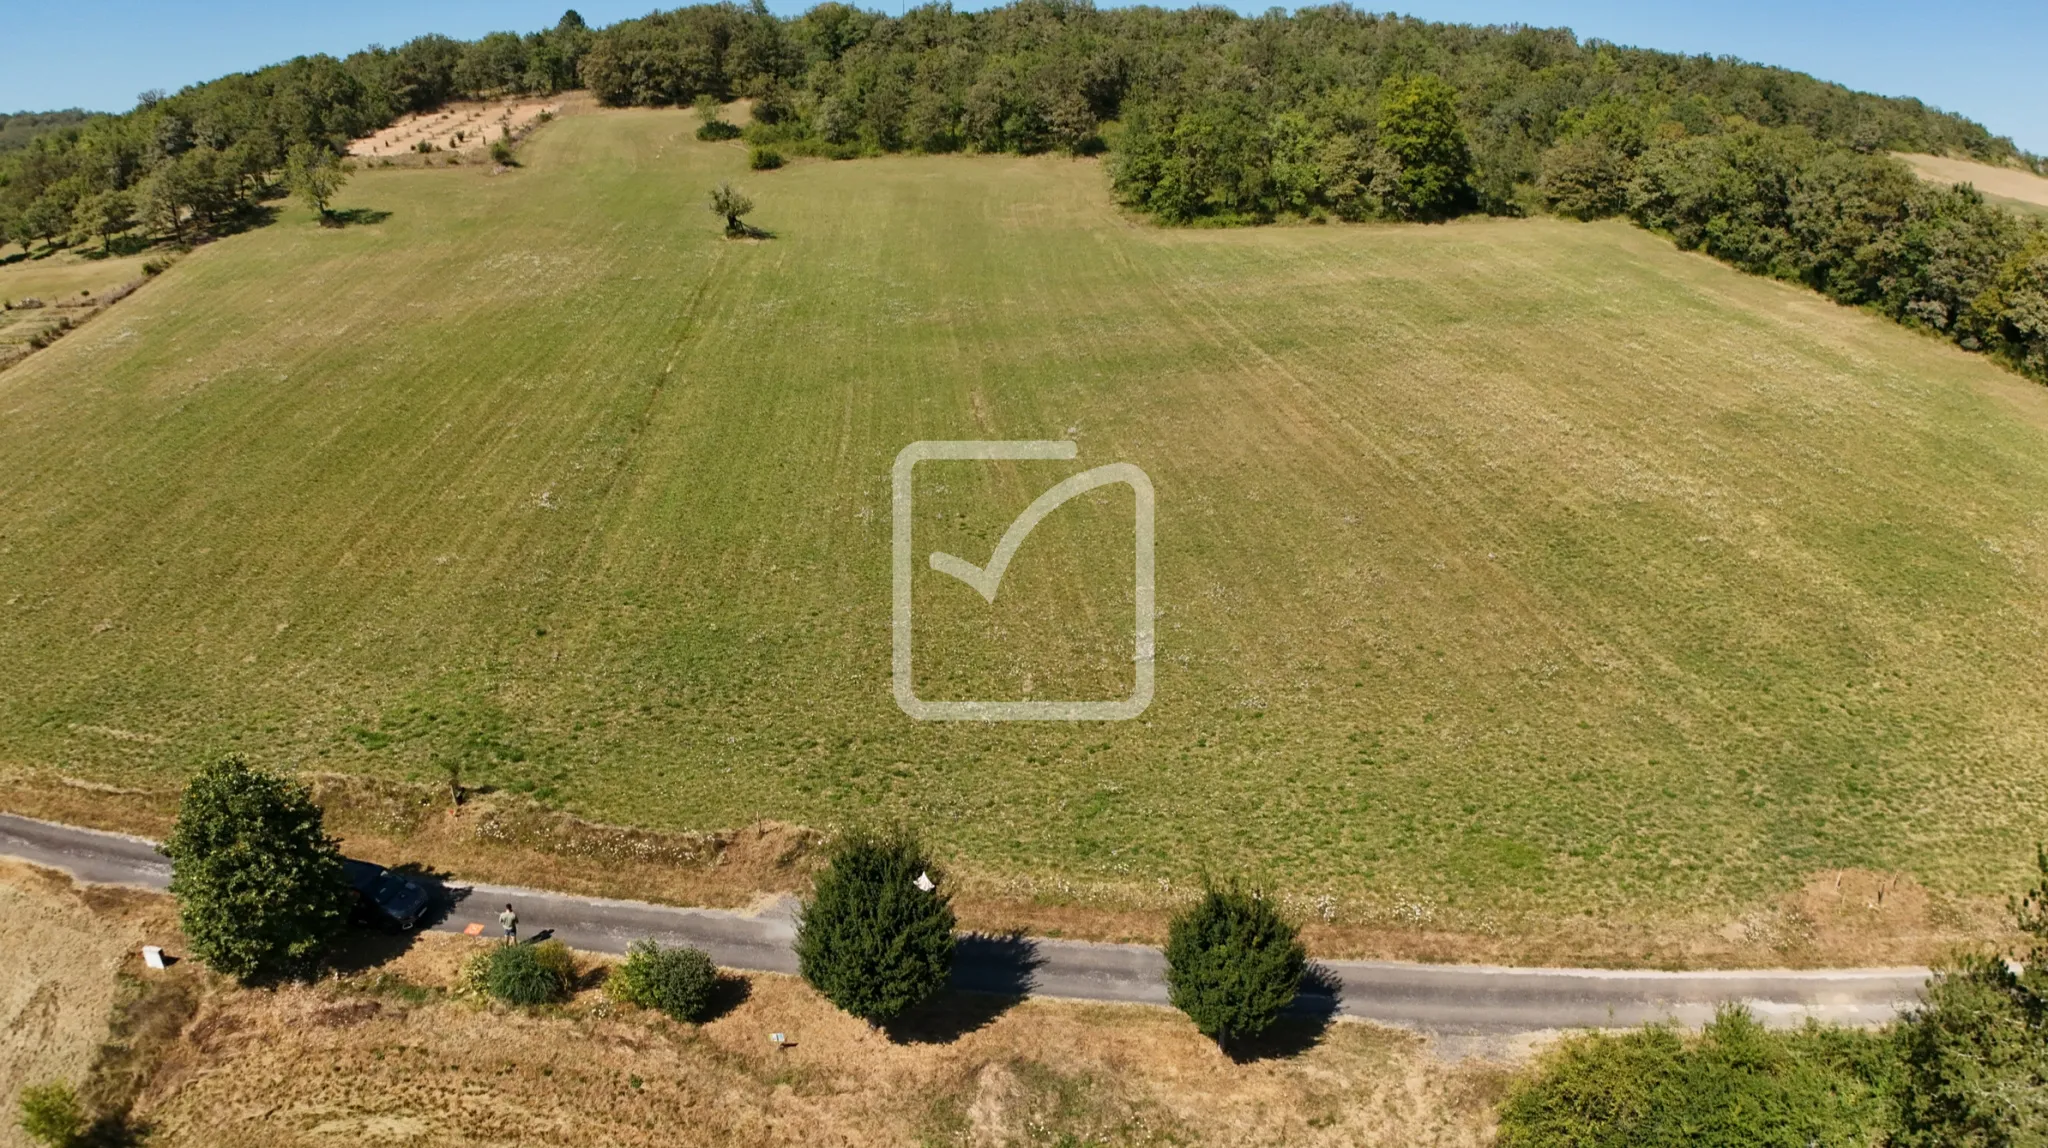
[(389, 1058), (2006, 183), (67, 274), (60, 950)]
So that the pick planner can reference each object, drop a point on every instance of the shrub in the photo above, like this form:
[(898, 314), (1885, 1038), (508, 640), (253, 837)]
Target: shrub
[(675, 981), (764, 159), (1737, 1084), (1976, 1060), (1233, 963), (50, 1114), (731, 202), (501, 152), (530, 974), (713, 127), (1976, 1050), (259, 883), (869, 939)]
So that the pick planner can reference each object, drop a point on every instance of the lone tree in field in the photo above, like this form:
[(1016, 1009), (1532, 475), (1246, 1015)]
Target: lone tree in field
[(260, 888), (870, 939), (732, 203), (1232, 964), (315, 175)]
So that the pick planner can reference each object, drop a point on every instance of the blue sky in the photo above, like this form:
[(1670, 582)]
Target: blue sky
[(1983, 60)]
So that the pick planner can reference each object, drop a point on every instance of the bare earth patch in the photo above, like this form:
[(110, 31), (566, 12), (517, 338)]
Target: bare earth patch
[(465, 126)]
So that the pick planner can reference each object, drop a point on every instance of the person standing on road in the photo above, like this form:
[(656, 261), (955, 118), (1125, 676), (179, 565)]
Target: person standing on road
[(509, 921)]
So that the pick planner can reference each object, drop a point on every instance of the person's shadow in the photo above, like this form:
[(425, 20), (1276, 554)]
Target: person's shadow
[(991, 972)]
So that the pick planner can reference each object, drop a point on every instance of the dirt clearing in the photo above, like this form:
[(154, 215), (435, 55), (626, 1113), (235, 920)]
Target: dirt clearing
[(459, 127)]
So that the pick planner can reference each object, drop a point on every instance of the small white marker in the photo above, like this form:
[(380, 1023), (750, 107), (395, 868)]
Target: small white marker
[(778, 1039), (924, 882), (152, 956)]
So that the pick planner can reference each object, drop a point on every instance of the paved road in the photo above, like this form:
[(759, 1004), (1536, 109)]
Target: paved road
[(1446, 999)]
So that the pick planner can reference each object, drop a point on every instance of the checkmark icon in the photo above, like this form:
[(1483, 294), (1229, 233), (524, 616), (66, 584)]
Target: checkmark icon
[(987, 579)]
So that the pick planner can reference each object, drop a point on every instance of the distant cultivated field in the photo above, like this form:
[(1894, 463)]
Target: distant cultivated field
[(1507, 570), (2008, 185)]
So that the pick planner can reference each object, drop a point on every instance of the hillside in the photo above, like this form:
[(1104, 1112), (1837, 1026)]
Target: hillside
[(1509, 570)]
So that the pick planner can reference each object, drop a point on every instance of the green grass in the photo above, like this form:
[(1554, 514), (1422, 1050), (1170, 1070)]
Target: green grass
[(1513, 567)]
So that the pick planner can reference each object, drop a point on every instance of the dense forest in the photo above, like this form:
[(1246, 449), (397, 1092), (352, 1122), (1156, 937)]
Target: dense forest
[(1207, 117), (17, 128)]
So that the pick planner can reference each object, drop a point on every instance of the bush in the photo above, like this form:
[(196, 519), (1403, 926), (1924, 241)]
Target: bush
[(50, 1114), (1737, 1084), (764, 159), (501, 152), (1232, 964), (259, 883), (530, 974), (869, 939), (678, 982), (713, 127), (1976, 1060), (1976, 1050)]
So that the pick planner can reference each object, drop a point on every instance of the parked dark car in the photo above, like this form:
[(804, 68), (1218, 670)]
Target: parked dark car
[(386, 898)]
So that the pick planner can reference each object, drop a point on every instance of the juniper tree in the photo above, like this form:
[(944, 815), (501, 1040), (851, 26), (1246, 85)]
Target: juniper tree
[(1233, 963), (871, 939)]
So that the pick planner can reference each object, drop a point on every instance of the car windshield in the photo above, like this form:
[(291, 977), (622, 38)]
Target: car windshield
[(395, 891)]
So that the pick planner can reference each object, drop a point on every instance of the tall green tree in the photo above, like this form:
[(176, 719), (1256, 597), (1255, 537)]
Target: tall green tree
[(1423, 163), (870, 938), (260, 887), (1233, 963), (46, 219), (104, 215), (315, 174)]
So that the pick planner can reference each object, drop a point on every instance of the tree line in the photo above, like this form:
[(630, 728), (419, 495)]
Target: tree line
[(198, 161), (1207, 117)]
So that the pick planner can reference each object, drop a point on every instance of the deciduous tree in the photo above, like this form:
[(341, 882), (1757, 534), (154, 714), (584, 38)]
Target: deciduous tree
[(260, 886), (315, 174)]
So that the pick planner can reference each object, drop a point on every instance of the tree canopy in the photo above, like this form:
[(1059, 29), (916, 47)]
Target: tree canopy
[(259, 884), (870, 939), (1233, 964)]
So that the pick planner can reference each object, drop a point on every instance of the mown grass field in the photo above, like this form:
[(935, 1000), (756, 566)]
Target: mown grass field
[(1507, 570)]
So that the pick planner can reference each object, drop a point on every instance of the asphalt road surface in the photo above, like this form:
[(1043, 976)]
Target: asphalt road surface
[(1459, 1000)]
